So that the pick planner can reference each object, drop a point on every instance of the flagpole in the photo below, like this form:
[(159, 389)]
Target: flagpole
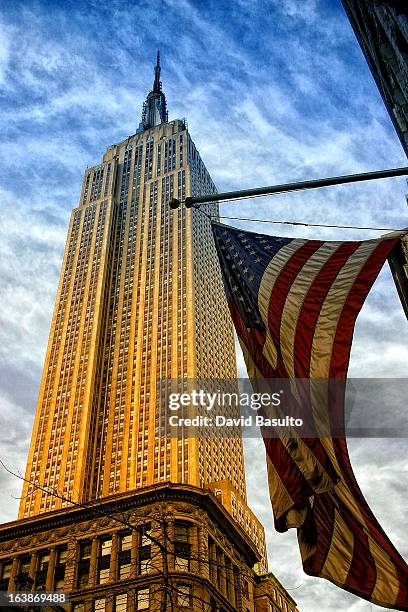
[(287, 187)]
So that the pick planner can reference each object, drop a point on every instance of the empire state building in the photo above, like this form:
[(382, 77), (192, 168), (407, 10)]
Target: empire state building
[(140, 300)]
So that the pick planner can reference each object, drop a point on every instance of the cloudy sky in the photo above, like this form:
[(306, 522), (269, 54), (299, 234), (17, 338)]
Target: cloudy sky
[(273, 91)]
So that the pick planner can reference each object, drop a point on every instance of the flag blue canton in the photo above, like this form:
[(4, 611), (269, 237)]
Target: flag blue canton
[(244, 258)]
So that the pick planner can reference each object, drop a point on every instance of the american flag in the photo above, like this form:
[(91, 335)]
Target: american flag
[(294, 304)]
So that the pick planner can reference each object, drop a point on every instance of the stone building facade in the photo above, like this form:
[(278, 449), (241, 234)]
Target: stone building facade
[(165, 547)]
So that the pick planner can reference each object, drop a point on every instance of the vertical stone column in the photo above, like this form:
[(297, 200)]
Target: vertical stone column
[(170, 545), (114, 557), (93, 566), (133, 556), (71, 566), (195, 564), (212, 563), (33, 565), (203, 553), (237, 589), (231, 585), (221, 561), (49, 583), (156, 553), (14, 572)]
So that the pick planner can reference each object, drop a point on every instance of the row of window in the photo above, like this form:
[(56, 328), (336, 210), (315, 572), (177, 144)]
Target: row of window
[(105, 568), (143, 599)]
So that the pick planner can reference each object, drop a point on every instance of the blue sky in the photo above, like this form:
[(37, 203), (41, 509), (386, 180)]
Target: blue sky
[(272, 91)]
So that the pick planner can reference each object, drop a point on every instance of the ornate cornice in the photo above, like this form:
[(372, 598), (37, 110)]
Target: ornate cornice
[(54, 522)]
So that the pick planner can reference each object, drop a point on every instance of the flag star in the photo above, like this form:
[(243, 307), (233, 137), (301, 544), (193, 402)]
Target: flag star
[(245, 270), (252, 252), (234, 288), (240, 262), (227, 257), (258, 260), (251, 278)]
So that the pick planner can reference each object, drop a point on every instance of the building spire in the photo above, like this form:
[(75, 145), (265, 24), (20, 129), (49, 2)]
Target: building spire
[(155, 108), (157, 83)]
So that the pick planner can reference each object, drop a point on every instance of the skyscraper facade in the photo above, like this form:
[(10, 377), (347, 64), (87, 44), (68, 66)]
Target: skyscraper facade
[(140, 301)]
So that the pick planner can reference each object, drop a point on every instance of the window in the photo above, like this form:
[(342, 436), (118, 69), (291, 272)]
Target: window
[(144, 550), (62, 554), (85, 552), (144, 566), (182, 547), (24, 564), (6, 570), (59, 573), (145, 533), (124, 570), (105, 549), (184, 595), (125, 541), (59, 583), (103, 575), (142, 599), (5, 573), (83, 565), (99, 605), (43, 561), (124, 557), (121, 603)]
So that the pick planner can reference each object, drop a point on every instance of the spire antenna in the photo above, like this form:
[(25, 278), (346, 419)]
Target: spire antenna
[(157, 70), (155, 108)]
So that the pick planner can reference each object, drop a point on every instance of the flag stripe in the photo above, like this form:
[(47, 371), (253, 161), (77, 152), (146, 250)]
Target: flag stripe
[(328, 320), (272, 272), (283, 283), (312, 304), (340, 555), (345, 327), (293, 309), (386, 587), (363, 573), (279, 492), (266, 286)]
